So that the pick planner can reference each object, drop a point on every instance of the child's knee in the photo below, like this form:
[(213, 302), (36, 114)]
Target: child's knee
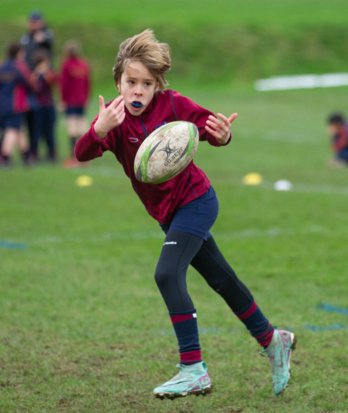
[(164, 276)]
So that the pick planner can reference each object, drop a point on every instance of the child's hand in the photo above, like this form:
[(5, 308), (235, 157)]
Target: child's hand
[(220, 126), (109, 117)]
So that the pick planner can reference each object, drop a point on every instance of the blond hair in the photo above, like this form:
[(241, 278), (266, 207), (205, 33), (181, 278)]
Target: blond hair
[(145, 48)]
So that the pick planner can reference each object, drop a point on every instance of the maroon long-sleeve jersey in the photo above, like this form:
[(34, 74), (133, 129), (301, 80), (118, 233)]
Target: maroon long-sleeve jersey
[(162, 200), (75, 82)]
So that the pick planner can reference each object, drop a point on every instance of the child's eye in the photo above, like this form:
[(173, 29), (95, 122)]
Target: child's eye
[(131, 82), (148, 84)]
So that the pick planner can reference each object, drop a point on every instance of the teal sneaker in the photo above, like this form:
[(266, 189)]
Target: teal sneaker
[(192, 379), (279, 354)]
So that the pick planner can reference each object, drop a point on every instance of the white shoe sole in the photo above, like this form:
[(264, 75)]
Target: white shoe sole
[(200, 392)]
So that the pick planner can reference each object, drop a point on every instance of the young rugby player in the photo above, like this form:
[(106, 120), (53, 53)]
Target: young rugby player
[(15, 87), (75, 86), (186, 208)]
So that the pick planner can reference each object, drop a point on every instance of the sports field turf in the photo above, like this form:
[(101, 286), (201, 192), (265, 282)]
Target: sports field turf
[(83, 328)]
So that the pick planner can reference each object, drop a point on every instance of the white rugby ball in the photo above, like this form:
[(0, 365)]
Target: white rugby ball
[(166, 152)]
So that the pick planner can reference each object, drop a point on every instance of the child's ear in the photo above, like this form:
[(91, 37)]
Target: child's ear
[(117, 84)]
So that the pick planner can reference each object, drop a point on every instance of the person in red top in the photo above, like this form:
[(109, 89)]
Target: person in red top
[(75, 91), (186, 207), (338, 128)]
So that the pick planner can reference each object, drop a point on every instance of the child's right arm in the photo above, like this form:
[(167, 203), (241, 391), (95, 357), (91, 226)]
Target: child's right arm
[(109, 117), (98, 139)]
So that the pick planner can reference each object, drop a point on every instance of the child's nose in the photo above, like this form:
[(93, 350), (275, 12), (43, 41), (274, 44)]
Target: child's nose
[(138, 91)]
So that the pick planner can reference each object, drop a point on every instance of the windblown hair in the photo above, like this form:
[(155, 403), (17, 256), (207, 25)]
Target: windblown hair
[(145, 48)]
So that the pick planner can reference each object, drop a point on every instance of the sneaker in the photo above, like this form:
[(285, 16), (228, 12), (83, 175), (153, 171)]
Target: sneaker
[(191, 379), (279, 354)]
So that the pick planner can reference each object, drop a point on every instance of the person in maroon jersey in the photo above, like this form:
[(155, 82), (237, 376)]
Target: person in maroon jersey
[(186, 207), (45, 79), (15, 86), (74, 91), (338, 129)]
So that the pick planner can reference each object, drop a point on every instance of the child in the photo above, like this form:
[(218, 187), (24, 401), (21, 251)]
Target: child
[(45, 78), (338, 129), (38, 39), (75, 90), (15, 85), (185, 206)]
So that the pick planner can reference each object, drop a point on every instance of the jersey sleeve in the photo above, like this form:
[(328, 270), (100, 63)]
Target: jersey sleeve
[(186, 109), (90, 146)]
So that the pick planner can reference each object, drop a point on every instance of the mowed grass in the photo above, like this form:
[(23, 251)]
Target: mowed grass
[(183, 12), (82, 325)]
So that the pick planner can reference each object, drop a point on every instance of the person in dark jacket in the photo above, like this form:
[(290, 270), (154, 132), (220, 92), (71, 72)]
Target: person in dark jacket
[(15, 87), (37, 41), (39, 38)]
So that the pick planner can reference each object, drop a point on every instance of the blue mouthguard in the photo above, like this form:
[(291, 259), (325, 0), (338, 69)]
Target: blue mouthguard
[(137, 104)]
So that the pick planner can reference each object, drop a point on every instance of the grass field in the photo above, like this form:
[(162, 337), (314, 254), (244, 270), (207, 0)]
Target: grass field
[(185, 13), (83, 328)]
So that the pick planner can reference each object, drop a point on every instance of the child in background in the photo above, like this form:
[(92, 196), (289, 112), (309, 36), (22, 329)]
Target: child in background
[(45, 78), (75, 91), (15, 85), (186, 207), (338, 129)]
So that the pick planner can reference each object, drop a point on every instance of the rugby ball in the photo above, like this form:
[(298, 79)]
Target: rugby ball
[(166, 152)]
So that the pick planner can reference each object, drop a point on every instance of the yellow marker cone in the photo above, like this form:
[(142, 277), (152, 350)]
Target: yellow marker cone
[(84, 180), (252, 178)]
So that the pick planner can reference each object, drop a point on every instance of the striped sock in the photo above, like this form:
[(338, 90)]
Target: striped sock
[(186, 330), (257, 324)]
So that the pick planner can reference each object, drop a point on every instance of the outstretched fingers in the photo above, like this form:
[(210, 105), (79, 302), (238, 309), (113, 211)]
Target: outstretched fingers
[(233, 117), (218, 126)]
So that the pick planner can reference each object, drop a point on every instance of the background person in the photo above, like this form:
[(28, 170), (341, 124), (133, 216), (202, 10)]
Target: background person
[(38, 40), (338, 129), (75, 91), (45, 78), (15, 85)]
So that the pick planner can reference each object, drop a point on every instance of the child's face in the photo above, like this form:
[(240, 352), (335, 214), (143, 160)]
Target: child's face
[(137, 86), (335, 128)]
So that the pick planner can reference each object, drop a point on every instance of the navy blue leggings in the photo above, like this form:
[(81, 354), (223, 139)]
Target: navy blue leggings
[(178, 252)]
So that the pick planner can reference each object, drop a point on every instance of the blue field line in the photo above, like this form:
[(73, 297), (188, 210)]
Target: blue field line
[(12, 245), (333, 309), (331, 327), (217, 331)]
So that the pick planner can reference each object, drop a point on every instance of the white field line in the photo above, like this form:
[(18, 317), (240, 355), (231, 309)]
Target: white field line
[(311, 188), (302, 82), (158, 235)]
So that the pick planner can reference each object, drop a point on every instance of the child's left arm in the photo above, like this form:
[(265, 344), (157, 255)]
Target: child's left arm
[(216, 129), (219, 126)]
